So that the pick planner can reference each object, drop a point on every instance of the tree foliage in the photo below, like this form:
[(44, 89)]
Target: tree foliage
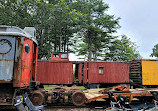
[(121, 50), (54, 21), (97, 28), (155, 51), (81, 26)]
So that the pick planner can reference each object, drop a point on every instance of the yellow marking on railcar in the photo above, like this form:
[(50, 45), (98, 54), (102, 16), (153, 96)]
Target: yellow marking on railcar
[(149, 72)]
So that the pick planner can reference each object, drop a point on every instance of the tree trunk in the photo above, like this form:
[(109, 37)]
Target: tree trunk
[(60, 44), (89, 45), (65, 41), (95, 46), (55, 43)]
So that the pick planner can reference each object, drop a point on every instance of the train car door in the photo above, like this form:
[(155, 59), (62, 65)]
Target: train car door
[(27, 57)]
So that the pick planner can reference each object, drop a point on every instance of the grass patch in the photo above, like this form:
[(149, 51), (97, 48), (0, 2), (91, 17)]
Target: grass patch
[(55, 86)]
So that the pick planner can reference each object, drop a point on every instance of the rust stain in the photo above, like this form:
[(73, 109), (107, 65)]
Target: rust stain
[(17, 64)]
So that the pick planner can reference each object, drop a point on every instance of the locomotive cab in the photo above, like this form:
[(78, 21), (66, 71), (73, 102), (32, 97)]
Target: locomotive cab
[(18, 59)]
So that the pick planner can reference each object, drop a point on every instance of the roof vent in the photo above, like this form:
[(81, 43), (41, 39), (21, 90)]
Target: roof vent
[(31, 31)]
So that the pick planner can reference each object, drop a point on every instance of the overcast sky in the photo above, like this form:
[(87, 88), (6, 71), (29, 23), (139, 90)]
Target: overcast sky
[(139, 21)]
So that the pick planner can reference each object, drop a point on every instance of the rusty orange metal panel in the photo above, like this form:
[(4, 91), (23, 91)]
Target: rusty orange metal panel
[(27, 57), (108, 72), (85, 73), (36, 56), (49, 72), (18, 63)]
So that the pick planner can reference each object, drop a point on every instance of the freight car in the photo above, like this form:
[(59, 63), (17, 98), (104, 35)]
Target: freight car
[(18, 59), (85, 73), (144, 72), (139, 73)]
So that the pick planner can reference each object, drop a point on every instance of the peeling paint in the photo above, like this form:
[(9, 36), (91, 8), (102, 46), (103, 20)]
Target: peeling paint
[(7, 59)]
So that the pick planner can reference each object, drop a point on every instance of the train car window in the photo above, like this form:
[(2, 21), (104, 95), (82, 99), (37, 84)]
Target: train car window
[(27, 48), (63, 56), (55, 55), (5, 46), (101, 70)]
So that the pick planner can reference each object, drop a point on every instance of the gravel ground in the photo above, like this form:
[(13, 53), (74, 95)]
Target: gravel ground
[(63, 109), (74, 109)]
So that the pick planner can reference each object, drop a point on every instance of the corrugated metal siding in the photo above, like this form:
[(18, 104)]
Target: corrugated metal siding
[(113, 72), (54, 72), (149, 72)]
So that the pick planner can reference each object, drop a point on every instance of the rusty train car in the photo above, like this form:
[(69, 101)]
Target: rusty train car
[(85, 73), (138, 72), (18, 60)]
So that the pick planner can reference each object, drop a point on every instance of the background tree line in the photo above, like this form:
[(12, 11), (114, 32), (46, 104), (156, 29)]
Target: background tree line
[(80, 26)]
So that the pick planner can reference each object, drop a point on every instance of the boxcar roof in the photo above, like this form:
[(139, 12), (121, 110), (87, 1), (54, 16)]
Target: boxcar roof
[(15, 31)]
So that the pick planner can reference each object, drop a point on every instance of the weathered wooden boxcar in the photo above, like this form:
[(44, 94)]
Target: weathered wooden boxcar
[(144, 72), (108, 72), (49, 72), (61, 72)]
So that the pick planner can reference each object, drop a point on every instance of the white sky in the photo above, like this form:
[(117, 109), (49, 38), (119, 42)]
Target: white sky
[(139, 21)]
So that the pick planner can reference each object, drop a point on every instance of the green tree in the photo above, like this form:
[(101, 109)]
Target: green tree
[(57, 27), (97, 28), (155, 51), (54, 21), (121, 50)]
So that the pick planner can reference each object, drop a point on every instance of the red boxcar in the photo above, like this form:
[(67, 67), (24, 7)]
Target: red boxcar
[(49, 72), (61, 72), (108, 72)]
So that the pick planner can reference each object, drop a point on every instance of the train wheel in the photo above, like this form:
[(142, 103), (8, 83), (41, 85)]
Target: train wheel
[(37, 98), (78, 98)]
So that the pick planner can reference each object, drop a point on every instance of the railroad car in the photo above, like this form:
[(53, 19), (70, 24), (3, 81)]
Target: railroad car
[(144, 72), (85, 73), (49, 72), (18, 60)]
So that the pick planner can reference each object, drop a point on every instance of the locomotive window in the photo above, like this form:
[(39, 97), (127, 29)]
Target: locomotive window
[(63, 56), (5, 46), (55, 55), (27, 48), (101, 70)]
